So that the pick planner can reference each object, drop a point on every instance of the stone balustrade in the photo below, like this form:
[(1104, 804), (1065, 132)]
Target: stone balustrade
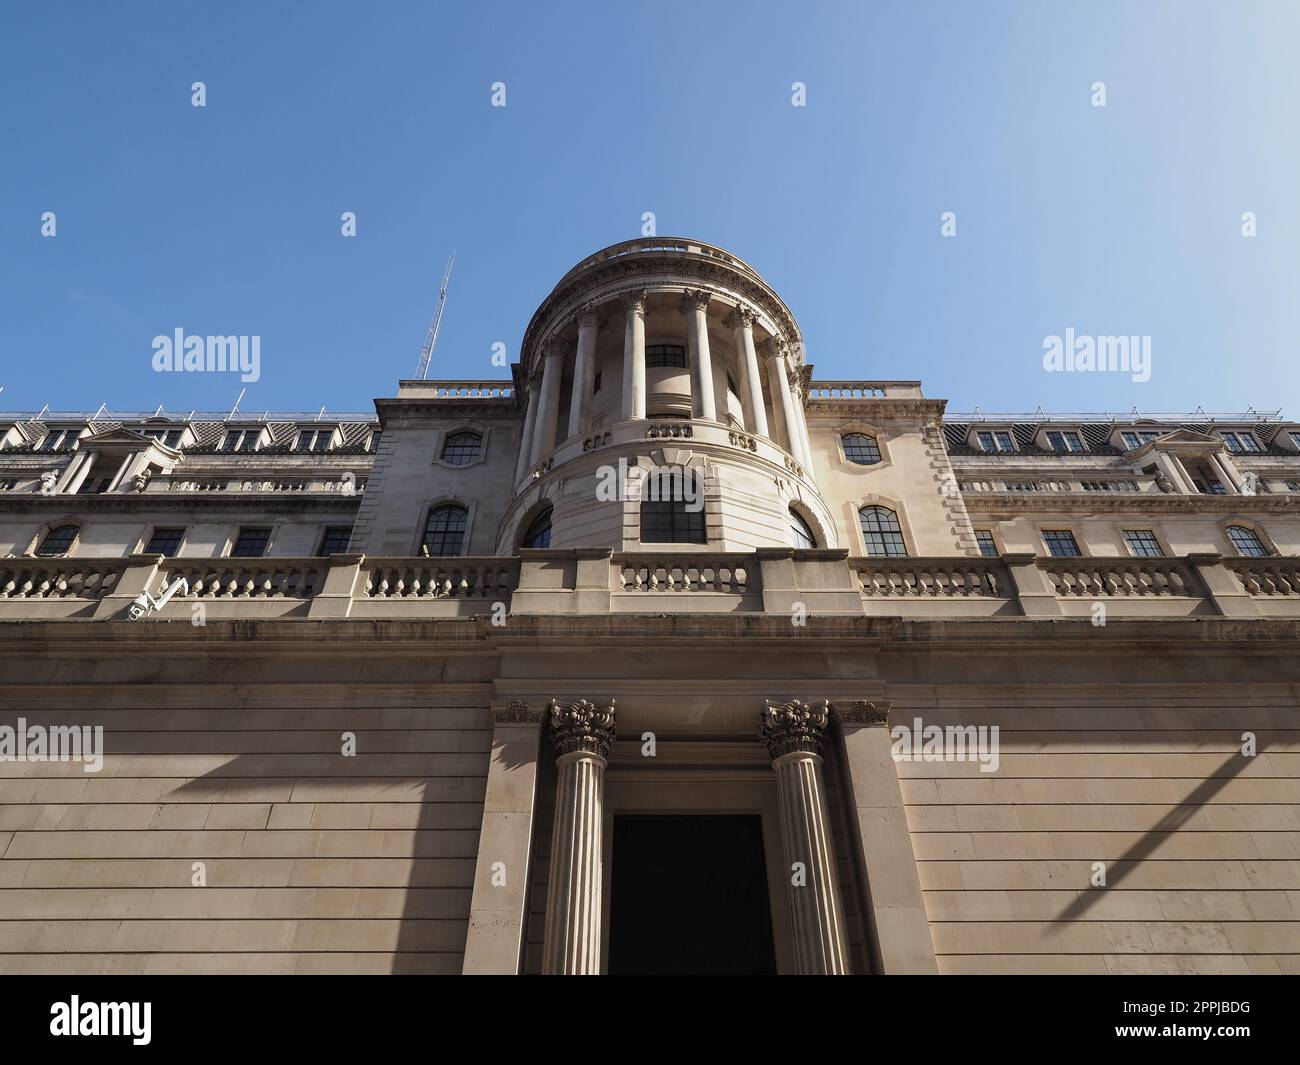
[(595, 581)]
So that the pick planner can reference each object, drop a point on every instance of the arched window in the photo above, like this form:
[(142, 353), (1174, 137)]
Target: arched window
[(57, 541), (1247, 542), (803, 535), (881, 531), (460, 449), (539, 530), (861, 448), (444, 532)]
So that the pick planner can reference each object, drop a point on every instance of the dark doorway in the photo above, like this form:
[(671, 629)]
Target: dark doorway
[(689, 896)]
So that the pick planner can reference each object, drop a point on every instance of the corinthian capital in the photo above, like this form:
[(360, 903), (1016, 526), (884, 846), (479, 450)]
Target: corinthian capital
[(582, 727), (589, 317), (740, 317), (775, 348), (634, 300), (695, 299), (553, 346), (794, 726)]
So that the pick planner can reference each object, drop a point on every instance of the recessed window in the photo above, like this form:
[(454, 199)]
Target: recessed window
[(988, 548), (882, 533), (165, 542), (460, 449), (1142, 543), (335, 540), (58, 541), (665, 355), (1207, 483), (539, 530), (800, 530), (1240, 441), (672, 521), (995, 440), (1061, 543), (314, 440), (596, 385), (240, 440), (444, 531), (372, 445), (1064, 442), (1246, 542), (861, 448), (251, 543), (93, 486)]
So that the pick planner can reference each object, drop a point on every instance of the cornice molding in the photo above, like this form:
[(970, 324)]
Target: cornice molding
[(1127, 503), (725, 283)]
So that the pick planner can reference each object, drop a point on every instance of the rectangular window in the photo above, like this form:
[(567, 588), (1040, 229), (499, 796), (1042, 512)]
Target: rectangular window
[(314, 440), (1142, 543), (1063, 441), (1131, 440), (242, 440), (1237, 442), (1061, 543), (165, 542), (335, 540), (985, 540), (251, 543), (995, 441), (665, 355), (668, 521)]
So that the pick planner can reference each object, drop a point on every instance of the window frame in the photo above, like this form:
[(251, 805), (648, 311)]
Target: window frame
[(653, 351), (873, 445), (1046, 536), (241, 531), (432, 509), (44, 534), (473, 458), (1267, 549), (992, 542), (801, 526), (325, 535), (898, 531), (547, 512), (146, 546), (690, 519), (1160, 551)]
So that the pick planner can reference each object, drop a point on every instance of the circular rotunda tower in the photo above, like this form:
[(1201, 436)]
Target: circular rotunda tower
[(664, 383)]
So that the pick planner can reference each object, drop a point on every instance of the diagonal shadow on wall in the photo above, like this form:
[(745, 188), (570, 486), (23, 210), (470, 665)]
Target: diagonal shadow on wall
[(1158, 834)]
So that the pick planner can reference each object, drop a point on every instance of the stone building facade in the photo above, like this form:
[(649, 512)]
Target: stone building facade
[(616, 666)]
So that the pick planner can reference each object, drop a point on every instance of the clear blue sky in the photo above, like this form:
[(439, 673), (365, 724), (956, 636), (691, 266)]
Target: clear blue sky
[(1115, 220)]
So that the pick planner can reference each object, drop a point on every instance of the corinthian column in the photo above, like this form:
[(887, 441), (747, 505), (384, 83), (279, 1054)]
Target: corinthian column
[(794, 733), (549, 409), (584, 371), (583, 733), (526, 439), (695, 305), (742, 321), (634, 356)]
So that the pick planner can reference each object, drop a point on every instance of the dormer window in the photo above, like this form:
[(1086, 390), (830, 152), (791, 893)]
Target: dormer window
[(1134, 439), (1240, 441), (314, 440), (57, 439), (1063, 442), (995, 440), (242, 440), (169, 437)]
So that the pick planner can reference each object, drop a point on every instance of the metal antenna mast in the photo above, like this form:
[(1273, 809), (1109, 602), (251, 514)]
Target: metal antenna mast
[(426, 353)]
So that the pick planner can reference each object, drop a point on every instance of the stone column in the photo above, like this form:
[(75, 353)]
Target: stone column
[(533, 386), (783, 400), (796, 394), (1173, 469), (634, 356), (549, 405), (695, 305), (794, 733), (583, 734), (495, 941), (1231, 475), (584, 371), (742, 321), (77, 479)]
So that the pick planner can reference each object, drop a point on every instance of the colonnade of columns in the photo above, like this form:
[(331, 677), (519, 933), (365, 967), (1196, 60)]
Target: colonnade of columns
[(541, 419), (794, 733), (1218, 462)]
